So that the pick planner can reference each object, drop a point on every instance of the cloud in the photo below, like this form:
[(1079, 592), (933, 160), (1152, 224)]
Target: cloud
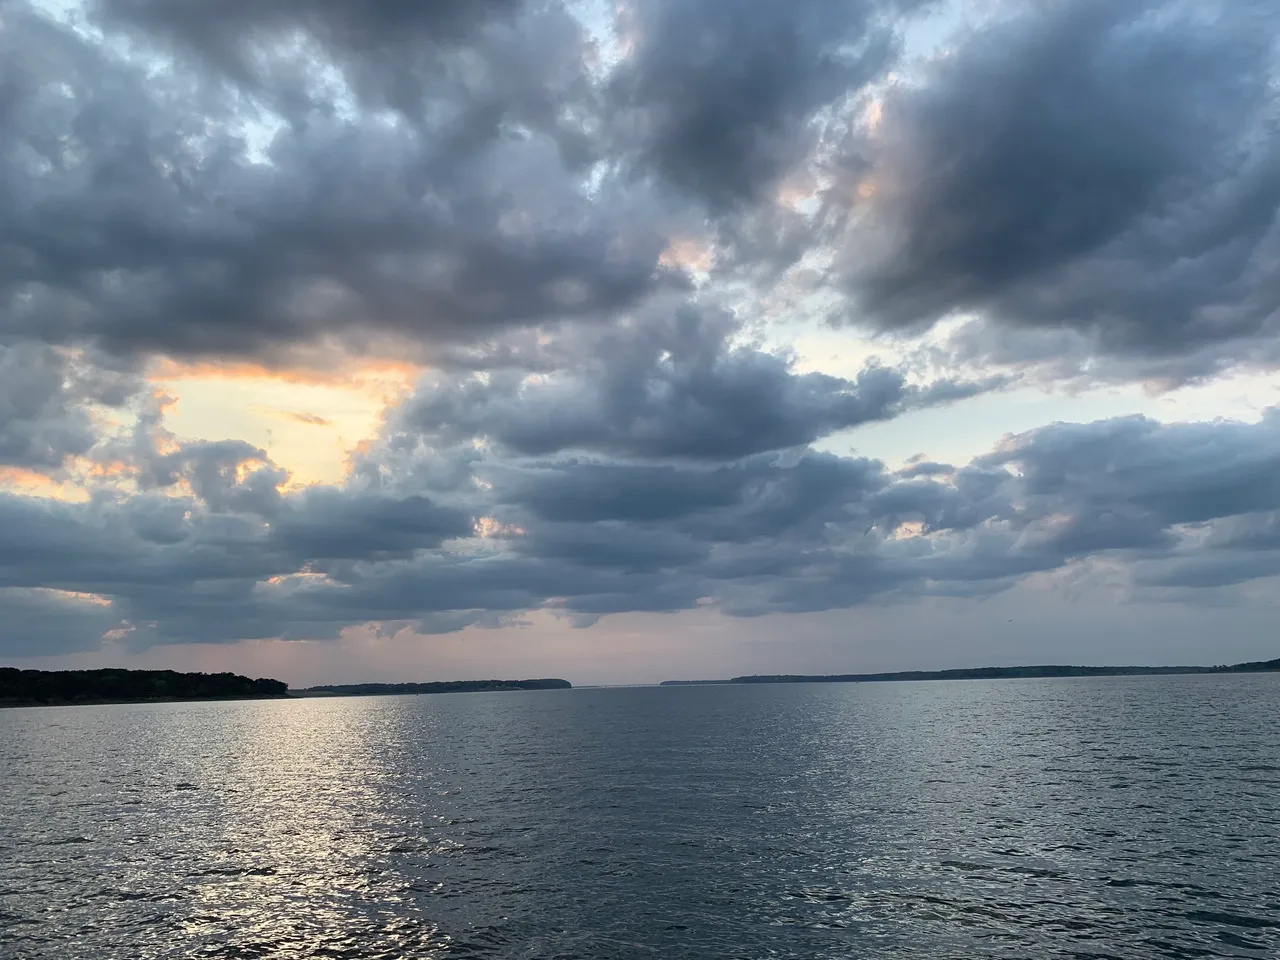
[(308, 419), (40, 427), (581, 249), (297, 178), (1174, 474), (671, 385), (388, 54), (1099, 168), (138, 224), (324, 523), (717, 98), (45, 404), (222, 34), (1185, 510), (38, 622)]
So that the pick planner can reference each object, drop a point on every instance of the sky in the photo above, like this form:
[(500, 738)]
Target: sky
[(638, 341)]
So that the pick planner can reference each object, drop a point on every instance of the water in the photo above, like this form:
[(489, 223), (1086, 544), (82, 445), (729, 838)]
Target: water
[(1134, 817)]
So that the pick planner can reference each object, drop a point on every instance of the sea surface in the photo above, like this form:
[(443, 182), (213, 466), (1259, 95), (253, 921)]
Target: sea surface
[(1082, 818)]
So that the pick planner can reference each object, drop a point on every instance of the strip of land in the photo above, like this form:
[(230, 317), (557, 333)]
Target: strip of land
[(27, 688), (442, 686), (990, 673)]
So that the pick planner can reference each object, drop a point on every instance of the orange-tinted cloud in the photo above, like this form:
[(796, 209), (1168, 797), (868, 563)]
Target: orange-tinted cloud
[(346, 373), (34, 484), (308, 418), (108, 469), (689, 253)]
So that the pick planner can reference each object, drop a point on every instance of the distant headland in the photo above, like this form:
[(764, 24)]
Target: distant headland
[(989, 673), (30, 688), (26, 688), (442, 686)]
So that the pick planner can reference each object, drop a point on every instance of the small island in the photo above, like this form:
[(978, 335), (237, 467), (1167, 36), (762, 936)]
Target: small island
[(989, 673), (441, 686), (26, 688)]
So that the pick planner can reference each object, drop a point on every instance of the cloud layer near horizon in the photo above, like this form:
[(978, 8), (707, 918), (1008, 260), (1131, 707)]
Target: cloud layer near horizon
[(592, 238)]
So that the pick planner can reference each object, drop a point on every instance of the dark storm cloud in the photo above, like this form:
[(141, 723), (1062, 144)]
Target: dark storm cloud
[(324, 523), (613, 544), (715, 96), (1195, 502), (40, 422), (1187, 508), (1175, 474), (1104, 167), (768, 534), (111, 547), (46, 397), (436, 177), (761, 497), (460, 69), (583, 491), (45, 623), (675, 387), (225, 29), (227, 475), (1203, 573), (132, 221), (174, 570)]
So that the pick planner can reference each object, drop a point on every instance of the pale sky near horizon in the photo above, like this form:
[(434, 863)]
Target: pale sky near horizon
[(637, 342)]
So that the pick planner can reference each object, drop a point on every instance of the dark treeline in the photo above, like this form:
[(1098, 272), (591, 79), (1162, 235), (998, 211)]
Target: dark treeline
[(443, 686), (1257, 666), (992, 673), (34, 687)]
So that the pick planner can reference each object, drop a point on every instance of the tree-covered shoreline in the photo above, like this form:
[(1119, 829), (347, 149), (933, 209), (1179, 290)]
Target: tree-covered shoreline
[(989, 673), (438, 686), (23, 688)]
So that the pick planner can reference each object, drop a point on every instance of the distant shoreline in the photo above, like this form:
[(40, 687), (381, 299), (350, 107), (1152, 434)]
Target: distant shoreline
[(439, 686), (26, 704), (987, 673), (70, 688), (75, 688)]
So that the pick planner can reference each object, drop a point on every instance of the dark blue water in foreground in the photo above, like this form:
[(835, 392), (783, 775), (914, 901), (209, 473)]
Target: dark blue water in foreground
[(1135, 817)]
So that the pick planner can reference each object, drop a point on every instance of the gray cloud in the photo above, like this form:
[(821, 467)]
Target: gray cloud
[(459, 182), (134, 223), (228, 33), (1099, 167), (1176, 474), (817, 531), (1187, 508), (715, 97), (323, 523), (45, 398), (1076, 169), (674, 386), (460, 69), (40, 426), (42, 623)]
